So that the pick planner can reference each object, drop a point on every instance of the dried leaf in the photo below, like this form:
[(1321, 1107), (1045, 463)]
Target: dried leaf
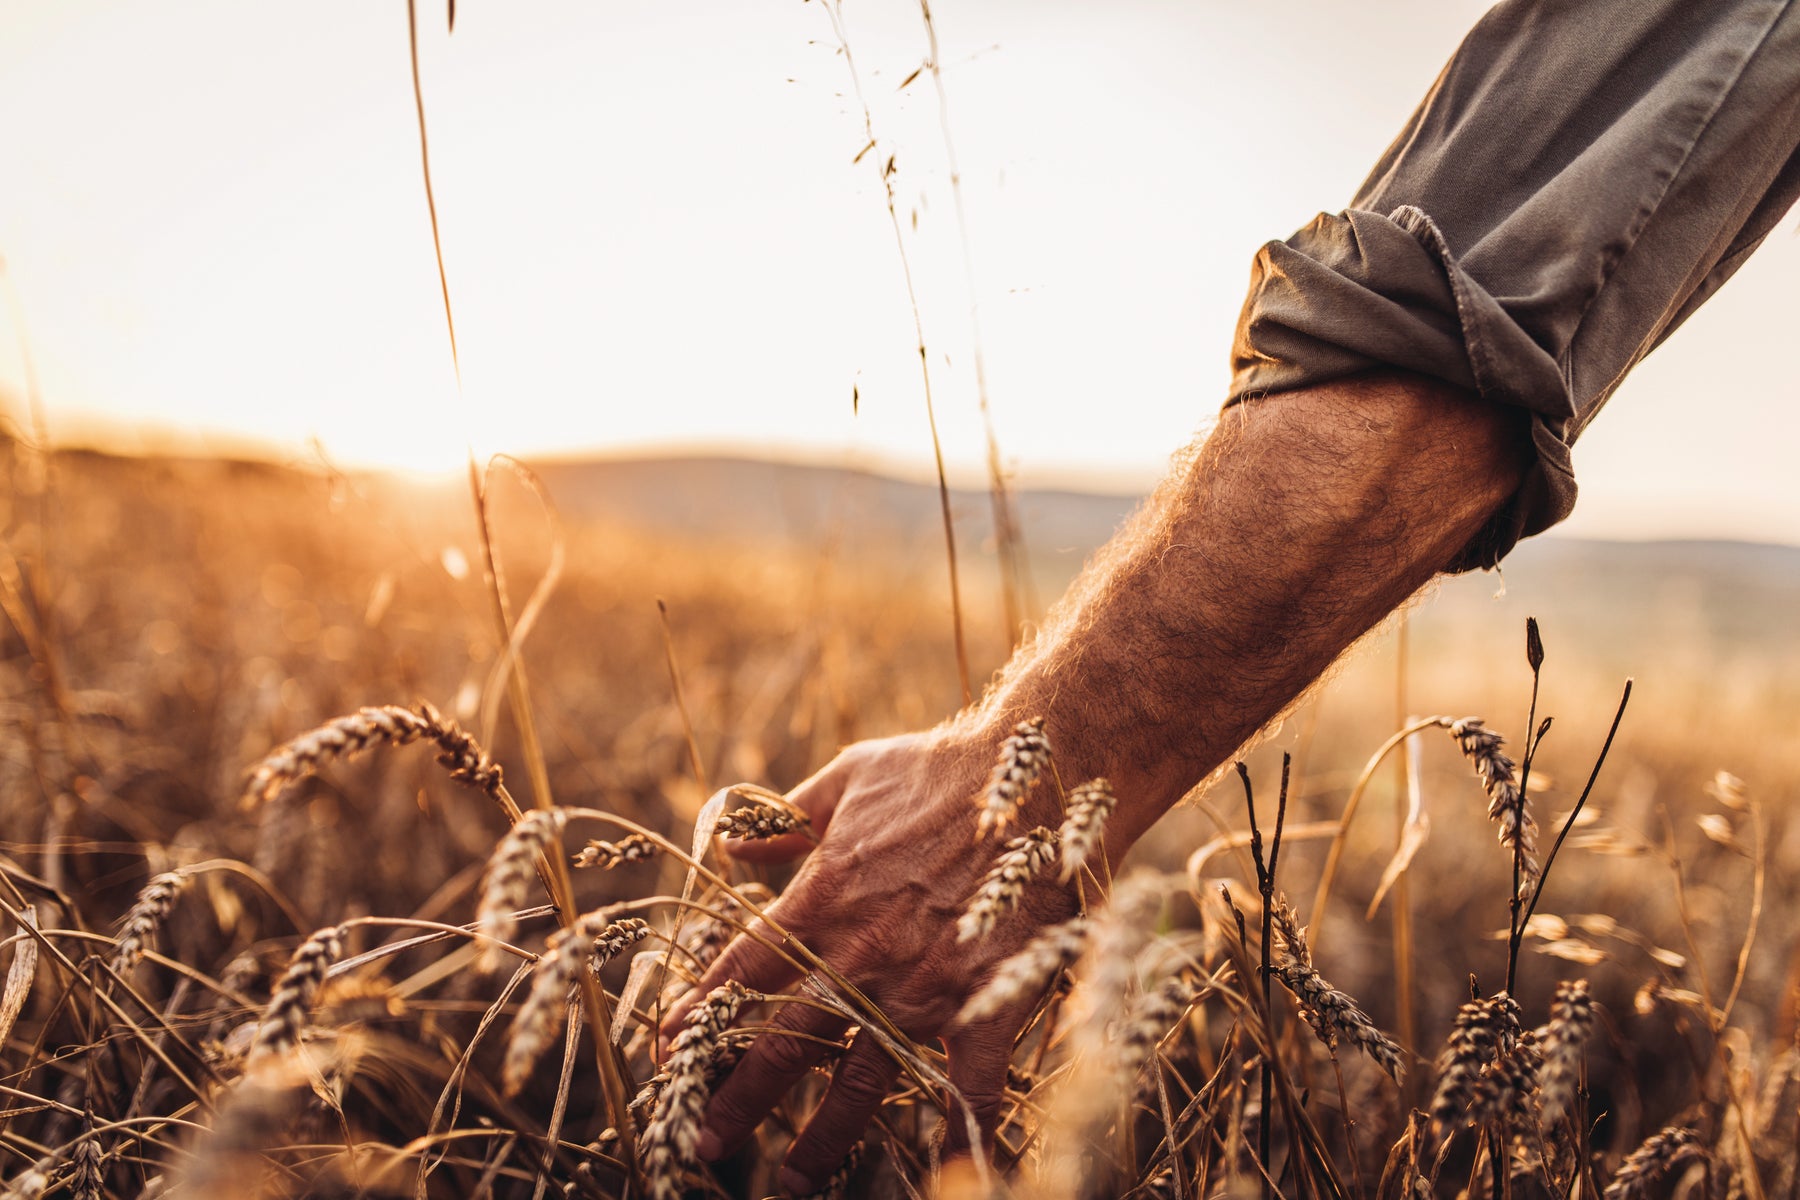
[(643, 964), (1574, 950), (1607, 841), (1728, 790), (19, 977), (1597, 924), (1718, 829), (1412, 834), (1548, 926)]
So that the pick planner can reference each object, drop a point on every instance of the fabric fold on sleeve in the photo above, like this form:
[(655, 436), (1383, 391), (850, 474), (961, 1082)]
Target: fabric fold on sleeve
[(1357, 291)]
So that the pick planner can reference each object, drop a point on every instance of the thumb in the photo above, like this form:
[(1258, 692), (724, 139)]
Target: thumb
[(818, 798)]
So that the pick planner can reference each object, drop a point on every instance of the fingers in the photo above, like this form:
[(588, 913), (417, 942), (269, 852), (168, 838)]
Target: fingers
[(750, 961), (797, 1038), (858, 1086), (818, 798), (979, 1056)]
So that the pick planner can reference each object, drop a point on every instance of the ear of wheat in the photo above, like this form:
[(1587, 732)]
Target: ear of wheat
[(1089, 806), (1334, 1015), (673, 1134), (1659, 1154), (1023, 757), (508, 879), (607, 855), (1508, 807), (1483, 1030), (566, 953), (1571, 1021), (1023, 860), (284, 1020), (391, 725), (1145, 1024), (758, 821), (148, 913), (1025, 973)]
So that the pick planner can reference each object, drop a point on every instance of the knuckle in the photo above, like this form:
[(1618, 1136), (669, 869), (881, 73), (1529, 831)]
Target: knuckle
[(861, 1080), (784, 1053)]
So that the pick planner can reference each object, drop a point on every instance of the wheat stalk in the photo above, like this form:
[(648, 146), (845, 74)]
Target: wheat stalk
[(1089, 806), (1023, 860), (1023, 757), (673, 1134), (284, 1020)]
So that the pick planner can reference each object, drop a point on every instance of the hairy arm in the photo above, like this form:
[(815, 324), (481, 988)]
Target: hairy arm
[(1302, 521)]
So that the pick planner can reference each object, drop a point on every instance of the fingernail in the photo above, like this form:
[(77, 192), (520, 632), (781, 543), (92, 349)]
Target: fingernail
[(796, 1184), (710, 1147)]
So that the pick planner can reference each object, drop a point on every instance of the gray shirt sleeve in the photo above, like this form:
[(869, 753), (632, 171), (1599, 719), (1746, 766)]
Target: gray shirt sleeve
[(1581, 177)]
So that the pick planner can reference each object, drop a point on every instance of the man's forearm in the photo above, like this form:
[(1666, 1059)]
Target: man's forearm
[(1306, 518)]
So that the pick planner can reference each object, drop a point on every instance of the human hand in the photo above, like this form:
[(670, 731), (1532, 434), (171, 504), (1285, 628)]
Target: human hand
[(896, 862)]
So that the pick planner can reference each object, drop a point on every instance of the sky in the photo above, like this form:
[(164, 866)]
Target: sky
[(659, 235)]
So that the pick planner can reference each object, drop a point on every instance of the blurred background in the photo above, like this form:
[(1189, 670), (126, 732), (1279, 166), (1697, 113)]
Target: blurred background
[(659, 235)]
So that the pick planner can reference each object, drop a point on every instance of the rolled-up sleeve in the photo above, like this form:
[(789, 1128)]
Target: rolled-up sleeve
[(1578, 180)]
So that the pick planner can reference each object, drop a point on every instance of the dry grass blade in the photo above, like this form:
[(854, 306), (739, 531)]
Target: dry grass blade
[(1023, 757), (1023, 860), (20, 975)]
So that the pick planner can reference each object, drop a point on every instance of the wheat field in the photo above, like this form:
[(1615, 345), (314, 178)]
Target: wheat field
[(296, 904)]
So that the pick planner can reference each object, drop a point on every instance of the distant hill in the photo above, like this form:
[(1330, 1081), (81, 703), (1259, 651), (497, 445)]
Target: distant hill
[(1734, 597), (753, 499)]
